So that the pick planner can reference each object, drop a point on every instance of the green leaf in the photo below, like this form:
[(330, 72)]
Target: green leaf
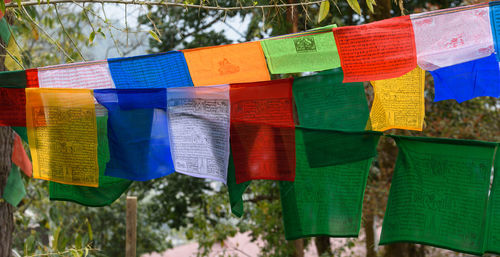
[(2, 6), (324, 8), (90, 231), (75, 253), (91, 37), (55, 240), (18, 3), (155, 36), (355, 6)]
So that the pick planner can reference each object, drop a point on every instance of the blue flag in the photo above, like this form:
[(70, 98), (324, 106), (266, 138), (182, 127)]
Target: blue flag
[(151, 71), (468, 80), (137, 133)]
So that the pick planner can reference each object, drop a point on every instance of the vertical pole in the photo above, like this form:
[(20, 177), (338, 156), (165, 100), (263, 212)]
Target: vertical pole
[(131, 238)]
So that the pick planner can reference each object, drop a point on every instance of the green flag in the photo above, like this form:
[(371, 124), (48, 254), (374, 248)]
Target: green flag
[(331, 147), (235, 190), (492, 244), (324, 201), (323, 101), (110, 188), (14, 190), (438, 194), (313, 50), (13, 79), (22, 132), (4, 31)]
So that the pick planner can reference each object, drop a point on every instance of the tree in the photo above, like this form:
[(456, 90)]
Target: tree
[(6, 210)]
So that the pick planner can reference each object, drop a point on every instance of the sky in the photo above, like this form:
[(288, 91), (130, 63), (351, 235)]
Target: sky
[(105, 47)]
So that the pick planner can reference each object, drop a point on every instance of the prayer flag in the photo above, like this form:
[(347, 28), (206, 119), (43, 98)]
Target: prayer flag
[(109, 189), (235, 190), (91, 75), (217, 65), (151, 71), (4, 30), (323, 101), (13, 61), (14, 190), (32, 78), (495, 25), (399, 102), (62, 135), (22, 132), (492, 243), (378, 50), (332, 147), (263, 130), (13, 79), (323, 201), (12, 107), (313, 50), (467, 80), (439, 192), (198, 119), (1, 13), (20, 158), (137, 133), (452, 36)]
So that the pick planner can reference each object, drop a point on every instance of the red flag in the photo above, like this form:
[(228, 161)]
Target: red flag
[(378, 50), (20, 158), (263, 130)]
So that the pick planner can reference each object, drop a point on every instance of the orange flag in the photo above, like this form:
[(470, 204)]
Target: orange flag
[(20, 158), (226, 64)]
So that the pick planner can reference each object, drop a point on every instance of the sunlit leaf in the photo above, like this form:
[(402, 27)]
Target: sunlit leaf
[(91, 37), (370, 4), (354, 5), (155, 36), (324, 8), (90, 231)]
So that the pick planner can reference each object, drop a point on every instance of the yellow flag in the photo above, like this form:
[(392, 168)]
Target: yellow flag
[(13, 49), (399, 102), (62, 134)]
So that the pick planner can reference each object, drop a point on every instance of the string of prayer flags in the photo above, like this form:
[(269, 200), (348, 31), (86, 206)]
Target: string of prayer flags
[(198, 119), (378, 50), (12, 107), (324, 201), (467, 80), (314, 50), (109, 189), (322, 101), (492, 238), (330, 147), (62, 135), (263, 130), (399, 102), (495, 25), (438, 184), (14, 190), (452, 36), (137, 133), (20, 158), (161, 70), (90, 75), (235, 190), (13, 79), (218, 65)]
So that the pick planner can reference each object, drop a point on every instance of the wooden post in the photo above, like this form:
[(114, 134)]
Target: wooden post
[(131, 239)]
